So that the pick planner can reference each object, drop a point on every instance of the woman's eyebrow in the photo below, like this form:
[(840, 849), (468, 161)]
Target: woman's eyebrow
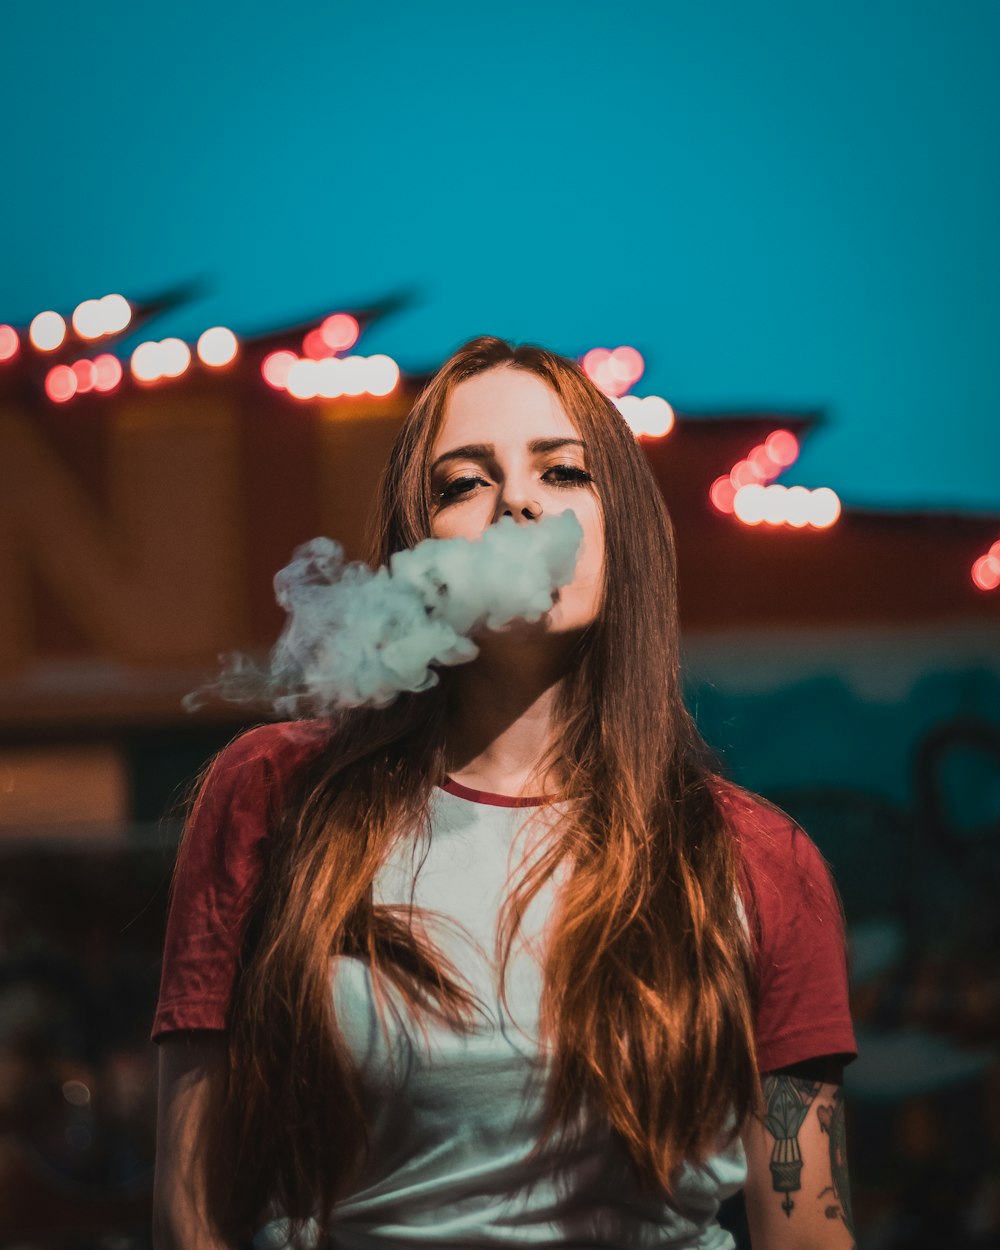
[(480, 451)]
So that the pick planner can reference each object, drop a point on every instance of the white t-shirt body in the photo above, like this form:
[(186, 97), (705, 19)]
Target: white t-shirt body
[(453, 1116)]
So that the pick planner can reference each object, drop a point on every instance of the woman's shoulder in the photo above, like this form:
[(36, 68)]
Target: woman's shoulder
[(777, 852), (253, 772), (754, 820), (280, 746)]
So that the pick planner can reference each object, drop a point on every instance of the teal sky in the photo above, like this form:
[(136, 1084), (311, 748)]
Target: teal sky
[(778, 203)]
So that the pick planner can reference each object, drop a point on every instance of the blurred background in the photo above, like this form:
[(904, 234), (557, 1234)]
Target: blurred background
[(234, 243)]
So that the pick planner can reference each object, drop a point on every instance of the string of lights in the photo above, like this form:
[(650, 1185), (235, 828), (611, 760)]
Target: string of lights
[(323, 367)]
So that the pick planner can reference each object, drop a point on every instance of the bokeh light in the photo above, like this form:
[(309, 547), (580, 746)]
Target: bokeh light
[(750, 503), (986, 574), (175, 356), (825, 507), (722, 493), (95, 318), (117, 313), (774, 503), (304, 378), (47, 331), (647, 417), (60, 383), (330, 377), (89, 319), (783, 447), (166, 359), (340, 331), (86, 375), (743, 474), (986, 570), (76, 1092), (797, 506), (315, 346), (9, 343), (275, 368), (383, 374), (145, 362), (625, 365), (217, 347), (108, 370), (766, 461), (353, 377), (613, 371), (762, 465), (595, 361)]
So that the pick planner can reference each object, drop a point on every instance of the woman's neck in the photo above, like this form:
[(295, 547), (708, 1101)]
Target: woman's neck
[(501, 725)]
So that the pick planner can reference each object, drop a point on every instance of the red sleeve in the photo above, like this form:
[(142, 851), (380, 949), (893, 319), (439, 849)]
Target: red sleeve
[(803, 1010), (216, 875)]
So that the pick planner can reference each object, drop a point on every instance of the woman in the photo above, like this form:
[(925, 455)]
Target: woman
[(506, 962)]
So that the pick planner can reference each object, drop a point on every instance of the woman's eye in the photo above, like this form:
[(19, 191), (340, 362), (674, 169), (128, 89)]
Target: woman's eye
[(574, 474), (569, 475), (458, 486)]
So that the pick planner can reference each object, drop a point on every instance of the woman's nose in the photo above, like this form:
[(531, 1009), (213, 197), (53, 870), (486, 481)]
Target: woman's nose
[(520, 505)]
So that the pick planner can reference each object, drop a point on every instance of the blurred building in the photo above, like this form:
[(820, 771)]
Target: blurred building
[(849, 669)]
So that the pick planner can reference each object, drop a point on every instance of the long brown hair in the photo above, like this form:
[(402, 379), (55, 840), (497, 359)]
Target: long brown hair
[(647, 1006)]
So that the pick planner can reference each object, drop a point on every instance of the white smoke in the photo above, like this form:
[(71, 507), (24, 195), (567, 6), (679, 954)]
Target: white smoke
[(358, 637)]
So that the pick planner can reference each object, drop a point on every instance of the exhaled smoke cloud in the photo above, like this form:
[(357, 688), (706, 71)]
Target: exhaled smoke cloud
[(356, 637)]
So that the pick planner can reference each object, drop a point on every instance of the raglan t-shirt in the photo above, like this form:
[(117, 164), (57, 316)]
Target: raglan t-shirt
[(453, 1116)]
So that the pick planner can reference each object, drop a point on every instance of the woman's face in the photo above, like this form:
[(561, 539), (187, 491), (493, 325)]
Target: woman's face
[(506, 447)]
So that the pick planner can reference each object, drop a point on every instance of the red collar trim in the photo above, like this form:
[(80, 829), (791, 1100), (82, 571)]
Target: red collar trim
[(484, 796)]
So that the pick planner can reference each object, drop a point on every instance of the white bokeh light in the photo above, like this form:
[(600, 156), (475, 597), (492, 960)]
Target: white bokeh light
[(217, 346), (89, 319), (798, 506), (825, 507), (304, 379), (175, 356), (353, 376), (145, 363), (329, 376), (117, 313), (648, 417), (750, 504), (383, 374), (47, 331)]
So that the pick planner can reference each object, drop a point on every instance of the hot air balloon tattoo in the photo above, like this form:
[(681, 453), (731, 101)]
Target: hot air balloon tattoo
[(788, 1100)]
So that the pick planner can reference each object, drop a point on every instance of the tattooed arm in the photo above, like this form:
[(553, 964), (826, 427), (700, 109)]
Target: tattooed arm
[(797, 1195)]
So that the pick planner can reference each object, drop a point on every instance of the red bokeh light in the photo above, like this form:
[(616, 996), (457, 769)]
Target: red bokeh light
[(722, 493), (339, 332), (743, 474), (86, 376), (9, 343), (628, 364), (783, 447), (985, 576), (762, 464), (107, 371), (275, 367), (595, 361), (315, 346), (60, 383)]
